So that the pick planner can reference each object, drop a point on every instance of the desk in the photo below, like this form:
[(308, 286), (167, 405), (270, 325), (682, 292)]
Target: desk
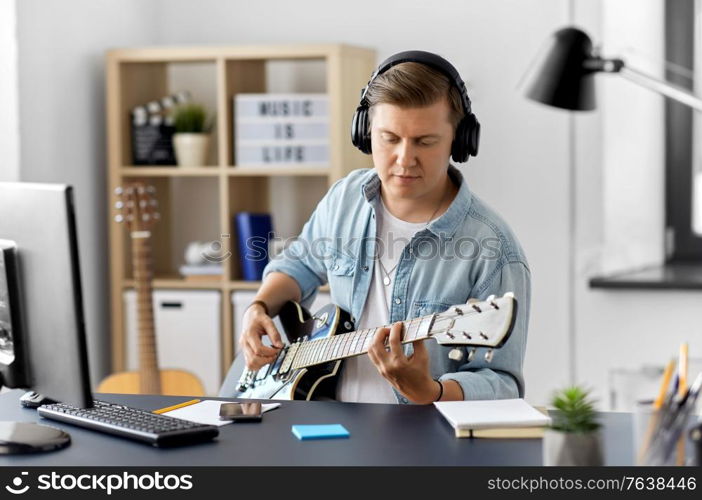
[(399, 435)]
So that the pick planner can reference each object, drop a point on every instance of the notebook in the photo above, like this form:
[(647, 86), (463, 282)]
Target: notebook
[(504, 418)]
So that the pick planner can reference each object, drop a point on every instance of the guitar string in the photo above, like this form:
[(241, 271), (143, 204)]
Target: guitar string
[(334, 346), (338, 347)]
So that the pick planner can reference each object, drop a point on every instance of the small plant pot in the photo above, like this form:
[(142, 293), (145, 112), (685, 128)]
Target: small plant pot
[(191, 149), (572, 448)]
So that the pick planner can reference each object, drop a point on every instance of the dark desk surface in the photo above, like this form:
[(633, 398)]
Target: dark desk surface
[(381, 434)]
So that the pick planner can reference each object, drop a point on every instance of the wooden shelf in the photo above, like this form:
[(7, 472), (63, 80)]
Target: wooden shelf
[(198, 203), (263, 171), (167, 171), (180, 283)]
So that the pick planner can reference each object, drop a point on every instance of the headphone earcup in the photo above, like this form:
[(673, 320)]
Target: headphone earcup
[(467, 139), (360, 130)]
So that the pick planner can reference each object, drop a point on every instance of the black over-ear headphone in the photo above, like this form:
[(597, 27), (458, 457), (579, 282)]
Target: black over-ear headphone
[(465, 142)]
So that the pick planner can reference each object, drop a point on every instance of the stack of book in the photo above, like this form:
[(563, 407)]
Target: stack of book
[(281, 129)]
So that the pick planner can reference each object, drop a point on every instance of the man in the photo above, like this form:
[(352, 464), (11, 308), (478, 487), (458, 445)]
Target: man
[(403, 240)]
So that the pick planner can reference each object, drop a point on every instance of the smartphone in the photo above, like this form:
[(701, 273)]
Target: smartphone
[(241, 412)]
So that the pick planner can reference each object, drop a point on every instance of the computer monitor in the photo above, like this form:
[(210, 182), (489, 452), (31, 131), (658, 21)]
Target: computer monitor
[(42, 343)]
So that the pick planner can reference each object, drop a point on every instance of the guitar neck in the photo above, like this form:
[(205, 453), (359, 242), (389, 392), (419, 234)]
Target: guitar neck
[(149, 380), (354, 343)]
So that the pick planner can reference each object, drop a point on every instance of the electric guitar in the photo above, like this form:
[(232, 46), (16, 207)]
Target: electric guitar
[(307, 367), (136, 207)]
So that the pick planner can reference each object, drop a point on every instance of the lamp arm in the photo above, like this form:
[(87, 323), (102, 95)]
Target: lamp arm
[(673, 91)]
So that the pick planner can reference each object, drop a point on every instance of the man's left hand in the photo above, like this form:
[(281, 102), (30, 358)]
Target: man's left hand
[(409, 375)]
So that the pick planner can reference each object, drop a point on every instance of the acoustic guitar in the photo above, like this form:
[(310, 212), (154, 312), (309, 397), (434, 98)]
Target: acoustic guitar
[(307, 366), (136, 206)]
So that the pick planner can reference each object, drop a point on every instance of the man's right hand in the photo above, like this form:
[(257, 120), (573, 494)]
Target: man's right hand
[(257, 324)]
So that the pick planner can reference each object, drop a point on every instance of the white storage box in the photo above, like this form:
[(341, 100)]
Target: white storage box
[(187, 326), (276, 106), (242, 299)]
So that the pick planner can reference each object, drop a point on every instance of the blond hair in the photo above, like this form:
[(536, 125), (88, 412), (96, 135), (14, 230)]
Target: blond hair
[(414, 85)]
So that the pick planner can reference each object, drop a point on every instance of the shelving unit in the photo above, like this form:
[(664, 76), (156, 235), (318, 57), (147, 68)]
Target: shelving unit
[(219, 190)]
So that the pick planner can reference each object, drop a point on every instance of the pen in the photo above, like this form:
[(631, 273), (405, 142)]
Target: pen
[(175, 407)]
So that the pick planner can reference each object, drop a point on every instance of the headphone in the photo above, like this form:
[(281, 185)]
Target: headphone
[(465, 142)]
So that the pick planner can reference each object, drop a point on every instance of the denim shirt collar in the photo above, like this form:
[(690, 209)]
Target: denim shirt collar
[(445, 226)]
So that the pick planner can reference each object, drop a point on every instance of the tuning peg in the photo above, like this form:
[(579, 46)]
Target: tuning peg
[(119, 218), (145, 217), (119, 205), (490, 298), (475, 306), (119, 190), (472, 301), (494, 304), (143, 203), (450, 335), (467, 335), (488, 355), (509, 295), (471, 354), (483, 336), (456, 354), (151, 189), (458, 311), (157, 216)]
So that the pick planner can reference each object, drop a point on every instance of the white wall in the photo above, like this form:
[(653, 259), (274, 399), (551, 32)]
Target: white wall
[(61, 48), (9, 102)]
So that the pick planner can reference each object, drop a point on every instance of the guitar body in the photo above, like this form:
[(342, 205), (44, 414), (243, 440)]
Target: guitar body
[(303, 384), (173, 383)]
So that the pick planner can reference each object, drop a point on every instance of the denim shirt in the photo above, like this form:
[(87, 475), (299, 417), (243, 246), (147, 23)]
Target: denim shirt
[(468, 252)]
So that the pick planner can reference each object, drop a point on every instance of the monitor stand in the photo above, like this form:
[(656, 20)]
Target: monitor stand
[(28, 437)]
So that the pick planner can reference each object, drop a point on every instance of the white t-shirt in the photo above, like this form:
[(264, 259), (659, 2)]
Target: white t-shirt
[(360, 380)]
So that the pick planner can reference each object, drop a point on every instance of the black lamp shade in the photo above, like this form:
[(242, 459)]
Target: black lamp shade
[(559, 76)]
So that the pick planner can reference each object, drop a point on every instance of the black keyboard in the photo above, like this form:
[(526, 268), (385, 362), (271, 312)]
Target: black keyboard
[(132, 423)]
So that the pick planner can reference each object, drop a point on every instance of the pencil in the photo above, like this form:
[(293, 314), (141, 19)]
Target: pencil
[(682, 370), (175, 407), (665, 383), (655, 417)]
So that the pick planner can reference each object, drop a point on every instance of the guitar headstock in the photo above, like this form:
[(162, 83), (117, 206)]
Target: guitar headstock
[(486, 323), (137, 206)]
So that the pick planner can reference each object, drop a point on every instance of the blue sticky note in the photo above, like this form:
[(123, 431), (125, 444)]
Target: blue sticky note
[(334, 431)]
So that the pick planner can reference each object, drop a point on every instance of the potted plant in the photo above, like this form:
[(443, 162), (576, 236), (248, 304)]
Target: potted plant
[(574, 435), (191, 138)]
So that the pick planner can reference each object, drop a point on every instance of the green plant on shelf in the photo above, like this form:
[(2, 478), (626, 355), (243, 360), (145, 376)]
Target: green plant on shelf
[(192, 118)]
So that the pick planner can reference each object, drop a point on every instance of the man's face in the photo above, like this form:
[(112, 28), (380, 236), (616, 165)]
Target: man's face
[(411, 149)]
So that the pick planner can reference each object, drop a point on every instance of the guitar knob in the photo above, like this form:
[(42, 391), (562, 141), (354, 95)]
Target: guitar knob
[(455, 354), (488, 355), (471, 354)]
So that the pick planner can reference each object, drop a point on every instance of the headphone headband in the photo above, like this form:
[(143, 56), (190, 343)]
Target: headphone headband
[(430, 59)]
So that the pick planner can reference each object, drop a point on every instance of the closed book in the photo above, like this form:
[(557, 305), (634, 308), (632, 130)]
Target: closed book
[(504, 418), (253, 233)]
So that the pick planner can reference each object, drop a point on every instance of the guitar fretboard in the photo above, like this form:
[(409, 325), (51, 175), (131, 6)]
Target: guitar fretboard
[(355, 343)]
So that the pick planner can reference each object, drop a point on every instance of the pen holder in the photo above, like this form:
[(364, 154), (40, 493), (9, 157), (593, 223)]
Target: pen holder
[(656, 446)]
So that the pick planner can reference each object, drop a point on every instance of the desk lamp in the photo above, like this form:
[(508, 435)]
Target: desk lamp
[(563, 75)]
